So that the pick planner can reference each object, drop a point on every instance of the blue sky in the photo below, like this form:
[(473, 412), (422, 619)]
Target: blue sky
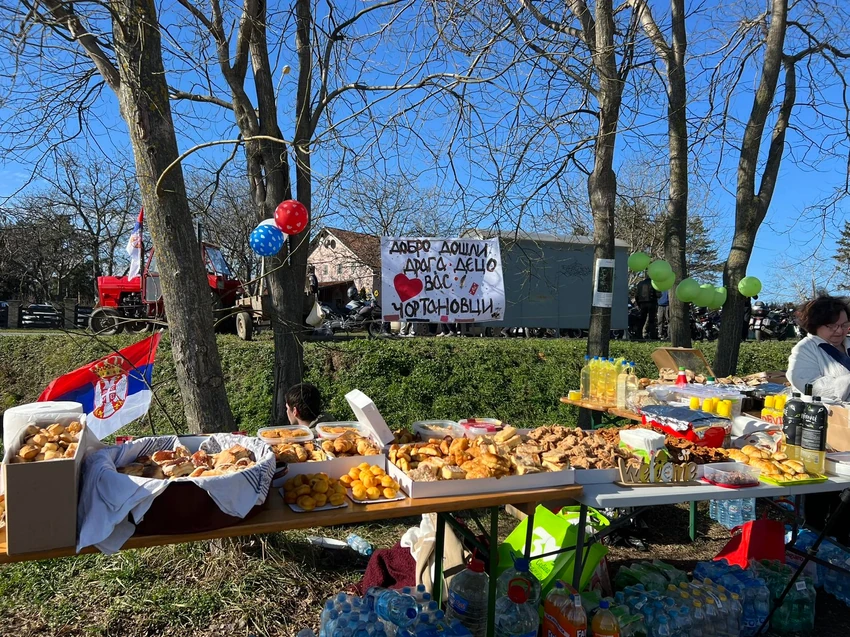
[(786, 237)]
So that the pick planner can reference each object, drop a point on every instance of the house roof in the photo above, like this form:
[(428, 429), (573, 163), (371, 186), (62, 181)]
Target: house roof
[(539, 237), (367, 247)]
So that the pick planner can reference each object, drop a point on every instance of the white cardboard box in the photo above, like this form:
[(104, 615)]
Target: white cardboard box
[(441, 488)]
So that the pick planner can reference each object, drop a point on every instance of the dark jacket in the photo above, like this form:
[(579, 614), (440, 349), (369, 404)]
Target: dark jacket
[(645, 293)]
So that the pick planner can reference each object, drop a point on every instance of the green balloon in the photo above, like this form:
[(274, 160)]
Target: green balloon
[(716, 302), (687, 290), (659, 270), (638, 261), (665, 284), (705, 295), (722, 294), (749, 286)]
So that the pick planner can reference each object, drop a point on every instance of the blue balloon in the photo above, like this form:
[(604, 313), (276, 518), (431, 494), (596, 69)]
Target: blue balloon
[(266, 240)]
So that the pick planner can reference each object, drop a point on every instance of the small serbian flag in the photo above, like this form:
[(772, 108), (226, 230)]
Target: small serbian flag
[(114, 391)]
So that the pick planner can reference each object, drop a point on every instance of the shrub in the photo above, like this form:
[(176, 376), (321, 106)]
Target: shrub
[(516, 380)]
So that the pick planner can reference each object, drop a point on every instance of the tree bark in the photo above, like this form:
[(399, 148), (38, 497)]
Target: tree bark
[(144, 103), (676, 223), (751, 206), (602, 182)]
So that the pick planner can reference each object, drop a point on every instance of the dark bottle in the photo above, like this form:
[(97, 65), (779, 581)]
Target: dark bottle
[(791, 421), (813, 449)]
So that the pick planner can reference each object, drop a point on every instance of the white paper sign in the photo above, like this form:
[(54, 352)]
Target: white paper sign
[(441, 280), (603, 283)]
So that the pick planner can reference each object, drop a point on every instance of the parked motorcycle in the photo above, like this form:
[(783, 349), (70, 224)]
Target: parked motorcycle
[(356, 316)]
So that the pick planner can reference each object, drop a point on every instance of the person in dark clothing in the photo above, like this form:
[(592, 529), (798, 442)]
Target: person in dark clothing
[(647, 300), (313, 281), (748, 313)]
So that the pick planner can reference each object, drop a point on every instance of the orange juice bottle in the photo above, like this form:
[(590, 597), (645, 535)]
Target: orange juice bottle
[(604, 622)]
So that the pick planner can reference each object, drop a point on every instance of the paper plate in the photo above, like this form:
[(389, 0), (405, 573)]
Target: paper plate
[(400, 496), (298, 509)]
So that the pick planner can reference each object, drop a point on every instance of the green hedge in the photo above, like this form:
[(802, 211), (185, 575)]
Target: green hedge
[(517, 380)]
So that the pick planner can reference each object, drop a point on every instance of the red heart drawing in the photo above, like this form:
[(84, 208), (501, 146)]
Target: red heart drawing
[(407, 288)]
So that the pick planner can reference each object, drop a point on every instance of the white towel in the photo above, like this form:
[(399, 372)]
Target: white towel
[(112, 503)]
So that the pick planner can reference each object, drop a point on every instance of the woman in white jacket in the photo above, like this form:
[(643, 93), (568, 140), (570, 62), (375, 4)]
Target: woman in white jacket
[(821, 359)]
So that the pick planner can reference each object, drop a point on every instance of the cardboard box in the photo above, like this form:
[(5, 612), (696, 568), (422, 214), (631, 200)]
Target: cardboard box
[(441, 488), (687, 357), (838, 427), (41, 497)]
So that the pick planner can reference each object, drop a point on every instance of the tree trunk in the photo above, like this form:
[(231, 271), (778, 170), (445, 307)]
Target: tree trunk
[(732, 324), (751, 206), (144, 103), (602, 182), (676, 223)]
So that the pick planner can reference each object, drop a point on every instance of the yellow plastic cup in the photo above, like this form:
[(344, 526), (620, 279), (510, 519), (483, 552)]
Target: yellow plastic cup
[(769, 402), (694, 402), (574, 395)]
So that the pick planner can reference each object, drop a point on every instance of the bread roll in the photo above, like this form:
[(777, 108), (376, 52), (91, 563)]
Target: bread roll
[(132, 469)]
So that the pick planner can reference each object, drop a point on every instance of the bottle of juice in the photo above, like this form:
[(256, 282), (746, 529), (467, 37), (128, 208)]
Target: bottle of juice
[(790, 423), (604, 622), (622, 386), (611, 382), (585, 378), (576, 625), (813, 449), (682, 378), (594, 378), (556, 608)]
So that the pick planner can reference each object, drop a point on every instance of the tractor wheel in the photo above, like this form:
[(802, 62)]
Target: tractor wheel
[(105, 321), (244, 326), (137, 327)]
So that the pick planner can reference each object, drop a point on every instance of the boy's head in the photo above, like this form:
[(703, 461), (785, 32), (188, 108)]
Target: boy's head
[(303, 404)]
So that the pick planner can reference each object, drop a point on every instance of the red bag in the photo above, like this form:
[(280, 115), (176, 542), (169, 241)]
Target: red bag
[(758, 540)]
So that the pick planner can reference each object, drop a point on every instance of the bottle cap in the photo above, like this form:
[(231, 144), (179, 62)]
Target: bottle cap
[(816, 398), (709, 378), (476, 565), (681, 369), (517, 595), (521, 564), (795, 394), (604, 604)]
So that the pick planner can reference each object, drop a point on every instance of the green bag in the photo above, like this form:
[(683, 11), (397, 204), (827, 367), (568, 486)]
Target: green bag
[(595, 519), (551, 532)]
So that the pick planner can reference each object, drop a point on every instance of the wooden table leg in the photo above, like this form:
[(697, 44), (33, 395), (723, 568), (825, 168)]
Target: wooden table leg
[(494, 566), (439, 549)]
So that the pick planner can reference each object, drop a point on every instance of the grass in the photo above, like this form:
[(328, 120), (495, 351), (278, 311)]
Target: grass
[(274, 585), (265, 586)]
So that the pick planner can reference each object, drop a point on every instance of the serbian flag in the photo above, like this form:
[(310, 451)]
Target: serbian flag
[(134, 247), (114, 390)]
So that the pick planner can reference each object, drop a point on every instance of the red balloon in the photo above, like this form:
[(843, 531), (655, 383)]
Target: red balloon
[(291, 216)]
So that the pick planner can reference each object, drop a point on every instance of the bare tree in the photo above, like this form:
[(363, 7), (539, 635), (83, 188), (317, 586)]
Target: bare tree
[(101, 197), (119, 45), (672, 55), (758, 168)]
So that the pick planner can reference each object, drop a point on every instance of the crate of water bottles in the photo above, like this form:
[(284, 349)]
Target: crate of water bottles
[(732, 513), (835, 580), (797, 613), (382, 612)]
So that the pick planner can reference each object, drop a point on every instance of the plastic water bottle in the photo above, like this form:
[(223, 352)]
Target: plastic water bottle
[(735, 518), (306, 632), (393, 607), (520, 569), (360, 545), (662, 627), (748, 509), (515, 617), (699, 619), (712, 509), (468, 598)]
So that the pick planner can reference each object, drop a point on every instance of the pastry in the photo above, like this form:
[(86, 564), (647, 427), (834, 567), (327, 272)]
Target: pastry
[(177, 468), (132, 469), (450, 472), (163, 455), (29, 452), (239, 452), (225, 457)]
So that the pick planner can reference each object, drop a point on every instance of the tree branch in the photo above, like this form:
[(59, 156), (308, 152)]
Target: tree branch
[(176, 94), (66, 16)]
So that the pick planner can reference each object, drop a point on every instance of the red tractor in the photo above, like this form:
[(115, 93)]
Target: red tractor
[(134, 304)]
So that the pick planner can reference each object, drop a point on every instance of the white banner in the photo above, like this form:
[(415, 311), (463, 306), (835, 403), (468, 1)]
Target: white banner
[(441, 280)]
